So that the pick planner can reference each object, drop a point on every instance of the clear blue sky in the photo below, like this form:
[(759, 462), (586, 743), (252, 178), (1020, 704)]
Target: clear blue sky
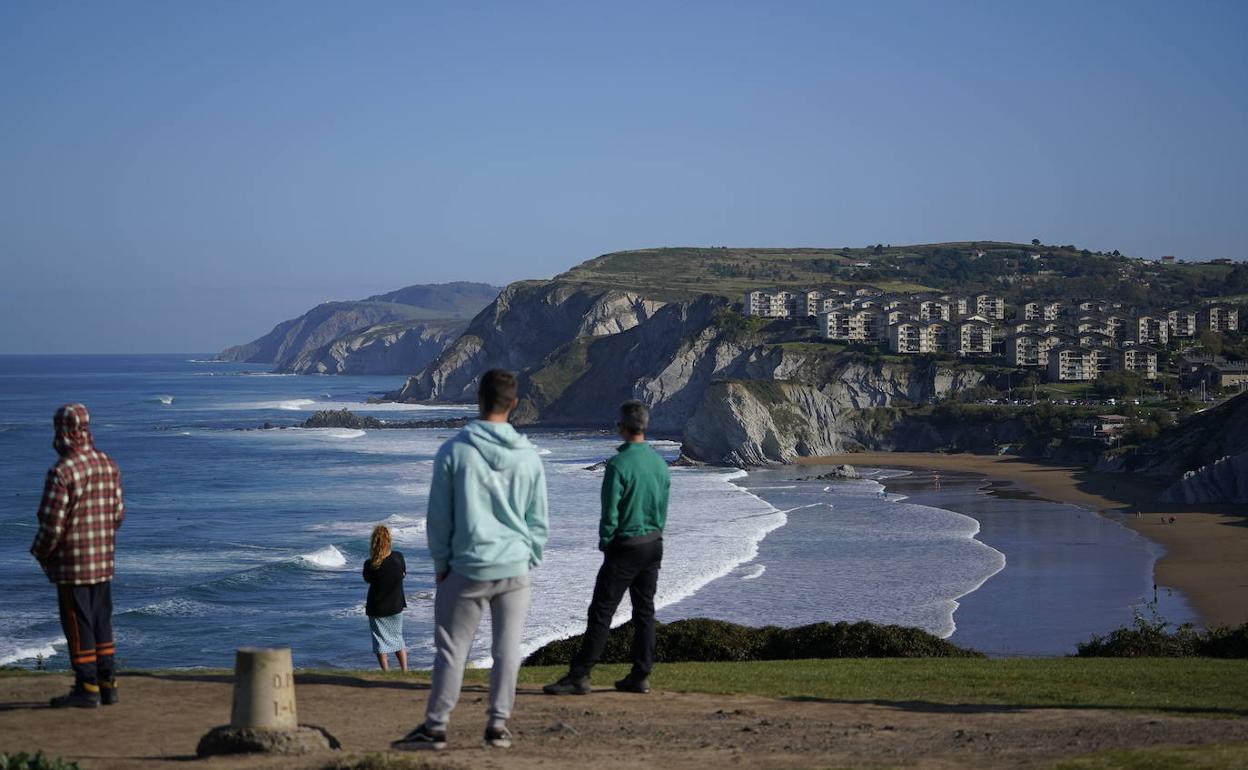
[(179, 176)]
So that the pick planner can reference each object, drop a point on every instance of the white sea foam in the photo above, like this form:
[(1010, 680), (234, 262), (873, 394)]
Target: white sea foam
[(328, 557), (175, 607), (18, 651), (406, 530), (755, 572), (311, 405)]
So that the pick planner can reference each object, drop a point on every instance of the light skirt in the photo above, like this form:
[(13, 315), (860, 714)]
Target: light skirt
[(387, 633)]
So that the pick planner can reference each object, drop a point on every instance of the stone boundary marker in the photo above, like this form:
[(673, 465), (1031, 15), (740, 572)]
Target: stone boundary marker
[(264, 717)]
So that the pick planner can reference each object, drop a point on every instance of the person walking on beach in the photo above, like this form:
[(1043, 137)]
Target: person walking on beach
[(79, 515), (384, 571), (486, 525), (635, 490)]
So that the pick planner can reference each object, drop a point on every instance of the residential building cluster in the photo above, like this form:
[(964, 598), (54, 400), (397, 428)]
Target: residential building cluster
[(1070, 341)]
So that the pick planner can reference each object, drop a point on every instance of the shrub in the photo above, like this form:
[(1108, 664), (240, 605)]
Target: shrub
[(36, 761), (702, 639), (1150, 637)]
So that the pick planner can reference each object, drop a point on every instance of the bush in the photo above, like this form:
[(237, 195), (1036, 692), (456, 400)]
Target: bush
[(702, 639), (36, 761), (1150, 637)]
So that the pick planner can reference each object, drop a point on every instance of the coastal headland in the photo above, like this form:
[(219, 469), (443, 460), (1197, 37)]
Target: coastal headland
[(1206, 547)]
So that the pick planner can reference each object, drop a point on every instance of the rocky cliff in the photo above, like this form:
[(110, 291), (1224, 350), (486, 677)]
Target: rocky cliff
[(393, 348), (526, 323), (759, 422), (1222, 481), (394, 333)]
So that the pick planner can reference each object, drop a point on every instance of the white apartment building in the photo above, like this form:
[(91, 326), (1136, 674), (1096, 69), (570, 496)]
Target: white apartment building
[(1042, 311), (1148, 330), (1071, 363), (770, 304), (863, 325), (911, 336), (1182, 323), (974, 337), (1142, 361), (1218, 318)]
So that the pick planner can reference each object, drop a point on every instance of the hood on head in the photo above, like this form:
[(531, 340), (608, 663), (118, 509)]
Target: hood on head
[(73, 428), (498, 442)]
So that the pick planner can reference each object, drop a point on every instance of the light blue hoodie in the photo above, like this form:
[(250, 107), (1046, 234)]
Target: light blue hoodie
[(487, 505)]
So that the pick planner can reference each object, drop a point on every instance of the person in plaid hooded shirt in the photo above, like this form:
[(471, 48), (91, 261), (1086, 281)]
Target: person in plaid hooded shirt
[(81, 510)]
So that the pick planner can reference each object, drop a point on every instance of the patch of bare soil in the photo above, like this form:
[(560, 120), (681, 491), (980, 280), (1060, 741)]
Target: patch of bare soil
[(162, 717)]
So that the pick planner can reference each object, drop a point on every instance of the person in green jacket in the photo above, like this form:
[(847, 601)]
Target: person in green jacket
[(486, 525), (635, 490)]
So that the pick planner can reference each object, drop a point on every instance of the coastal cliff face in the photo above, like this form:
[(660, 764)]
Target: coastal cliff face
[(386, 349), (314, 330), (394, 333), (1223, 481), (760, 422), (526, 323)]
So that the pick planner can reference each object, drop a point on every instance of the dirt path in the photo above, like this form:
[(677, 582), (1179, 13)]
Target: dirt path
[(162, 717)]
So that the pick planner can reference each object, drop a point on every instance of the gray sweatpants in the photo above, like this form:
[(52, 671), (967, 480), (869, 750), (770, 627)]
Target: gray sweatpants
[(457, 610)]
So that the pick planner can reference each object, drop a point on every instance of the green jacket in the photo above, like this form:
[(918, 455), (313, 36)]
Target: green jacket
[(487, 504), (634, 494)]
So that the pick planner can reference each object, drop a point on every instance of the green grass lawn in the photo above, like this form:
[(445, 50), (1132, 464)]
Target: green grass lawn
[(1182, 685), (1158, 684)]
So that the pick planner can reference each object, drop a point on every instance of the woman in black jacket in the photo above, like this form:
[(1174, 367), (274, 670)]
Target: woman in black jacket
[(384, 572)]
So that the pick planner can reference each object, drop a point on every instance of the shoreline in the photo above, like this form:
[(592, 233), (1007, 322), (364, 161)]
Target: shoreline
[(1205, 550)]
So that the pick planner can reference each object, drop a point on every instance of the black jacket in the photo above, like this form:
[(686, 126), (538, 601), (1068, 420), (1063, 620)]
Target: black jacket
[(385, 586)]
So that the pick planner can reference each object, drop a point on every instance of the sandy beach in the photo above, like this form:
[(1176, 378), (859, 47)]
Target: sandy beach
[(1206, 548)]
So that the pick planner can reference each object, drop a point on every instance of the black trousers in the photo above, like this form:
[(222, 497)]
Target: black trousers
[(631, 568), (87, 620)]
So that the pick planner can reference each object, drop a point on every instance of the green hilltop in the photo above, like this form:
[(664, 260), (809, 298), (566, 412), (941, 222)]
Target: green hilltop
[(1015, 270)]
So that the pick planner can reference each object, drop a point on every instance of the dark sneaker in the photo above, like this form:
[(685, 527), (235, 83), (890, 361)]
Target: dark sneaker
[(632, 684), (421, 739), (569, 685), (79, 698), (497, 737), (108, 694)]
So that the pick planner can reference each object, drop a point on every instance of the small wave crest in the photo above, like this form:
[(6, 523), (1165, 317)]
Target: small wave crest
[(17, 651), (174, 608), (328, 557)]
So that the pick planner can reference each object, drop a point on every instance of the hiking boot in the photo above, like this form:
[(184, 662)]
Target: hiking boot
[(497, 737), (79, 698), (569, 685), (421, 739), (108, 693), (639, 685)]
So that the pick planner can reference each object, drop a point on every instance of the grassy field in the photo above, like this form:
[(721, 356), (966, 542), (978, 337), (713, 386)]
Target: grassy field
[(676, 273), (1194, 685), (1185, 685)]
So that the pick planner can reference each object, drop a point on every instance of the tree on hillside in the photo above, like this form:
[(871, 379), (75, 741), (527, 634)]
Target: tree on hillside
[(1212, 341), (1035, 241)]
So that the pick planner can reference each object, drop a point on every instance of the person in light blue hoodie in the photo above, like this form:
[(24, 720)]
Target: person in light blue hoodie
[(486, 526)]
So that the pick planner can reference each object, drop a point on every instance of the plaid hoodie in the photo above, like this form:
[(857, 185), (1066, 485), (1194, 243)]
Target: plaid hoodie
[(82, 506)]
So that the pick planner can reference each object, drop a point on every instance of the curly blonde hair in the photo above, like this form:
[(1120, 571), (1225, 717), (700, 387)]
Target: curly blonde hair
[(379, 546)]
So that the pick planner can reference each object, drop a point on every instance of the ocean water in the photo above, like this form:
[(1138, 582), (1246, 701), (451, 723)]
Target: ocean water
[(237, 536), (1007, 574)]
